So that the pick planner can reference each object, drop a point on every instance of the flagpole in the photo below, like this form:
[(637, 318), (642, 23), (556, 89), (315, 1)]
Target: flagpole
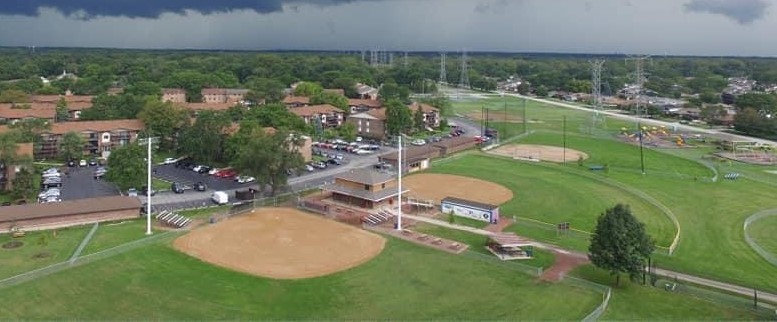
[(399, 180)]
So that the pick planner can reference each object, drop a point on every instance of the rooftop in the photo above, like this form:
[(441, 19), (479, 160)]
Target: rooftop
[(366, 176), (314, 110), (66, 208), (364, 102), (296, 100), (375, 196)]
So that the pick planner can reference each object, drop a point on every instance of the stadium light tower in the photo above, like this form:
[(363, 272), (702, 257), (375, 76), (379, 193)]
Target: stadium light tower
[(399, 183), (148, 141)]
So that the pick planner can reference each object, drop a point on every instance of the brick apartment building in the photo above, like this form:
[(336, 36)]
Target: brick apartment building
[(223, 95), (328, 115), (174, 95), (100, 136)]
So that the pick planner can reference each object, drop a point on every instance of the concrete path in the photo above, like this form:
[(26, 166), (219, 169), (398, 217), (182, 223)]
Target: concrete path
[(745, 291)]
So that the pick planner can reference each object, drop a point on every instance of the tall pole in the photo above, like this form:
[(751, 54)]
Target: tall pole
[(565, 140), (148, 186), (399, 183), (525, 128), (641, 150)]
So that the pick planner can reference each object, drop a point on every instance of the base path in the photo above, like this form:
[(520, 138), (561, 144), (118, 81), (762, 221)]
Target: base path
[(565, 263), (745, 291), (282, 243)]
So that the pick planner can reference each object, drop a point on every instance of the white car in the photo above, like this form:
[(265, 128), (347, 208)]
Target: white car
[(169, 161), (363, 152), (418, 142), (82, 163), (197, 168), (213, 171), (309, 168), (245, 179)]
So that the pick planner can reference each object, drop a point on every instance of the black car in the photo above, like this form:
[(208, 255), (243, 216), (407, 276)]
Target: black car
[(199, 186), (204, 169), (184, 163), (92, 162), (144, 191), (333, 161), (177, 187)]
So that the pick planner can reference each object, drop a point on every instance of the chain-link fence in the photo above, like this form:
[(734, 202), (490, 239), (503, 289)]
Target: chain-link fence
[(770, 257), (512, 265), (604, 290), (51, 269), (763, 310)]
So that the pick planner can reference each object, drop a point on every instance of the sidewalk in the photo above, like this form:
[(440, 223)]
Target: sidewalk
[(745, 291)]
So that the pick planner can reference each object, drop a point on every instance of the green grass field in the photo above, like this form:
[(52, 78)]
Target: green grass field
[(763, 231), (110, 235), (40, 249), (405, 282)]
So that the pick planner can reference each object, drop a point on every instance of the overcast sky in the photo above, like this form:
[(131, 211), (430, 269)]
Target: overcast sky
[(674, 27)]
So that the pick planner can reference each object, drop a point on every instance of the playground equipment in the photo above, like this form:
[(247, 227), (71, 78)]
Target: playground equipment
[(679, 141)]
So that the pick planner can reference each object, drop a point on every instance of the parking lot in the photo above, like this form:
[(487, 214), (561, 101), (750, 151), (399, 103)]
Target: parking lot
[(80, 184), (170, 173)]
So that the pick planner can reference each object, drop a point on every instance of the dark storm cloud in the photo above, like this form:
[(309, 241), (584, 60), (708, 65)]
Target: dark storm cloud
[(742, 11), (86, 9)]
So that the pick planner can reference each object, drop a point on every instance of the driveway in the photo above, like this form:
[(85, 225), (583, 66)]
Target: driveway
[(81, 185)]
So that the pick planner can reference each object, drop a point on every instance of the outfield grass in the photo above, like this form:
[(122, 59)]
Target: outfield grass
[(633, 301), (40, 249), (553, 196), (405, 282), (763, 231), (110, 235)]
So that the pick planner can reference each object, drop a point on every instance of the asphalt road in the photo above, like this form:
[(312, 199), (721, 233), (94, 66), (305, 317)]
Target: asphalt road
[(81, 185)]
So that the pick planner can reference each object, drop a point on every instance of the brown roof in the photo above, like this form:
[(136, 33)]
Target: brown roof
[(69, 208), (366, 176), (510, 239), (379, 113), (55, 98), (173, 91), (71, 106), (314, 110), (364, 102), (22, 113), (426, 108), (96, 126), (296, 100), (206, 106)]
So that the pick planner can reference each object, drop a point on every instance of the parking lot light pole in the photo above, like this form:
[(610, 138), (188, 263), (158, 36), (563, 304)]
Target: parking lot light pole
[(148, 188), (399, 183)]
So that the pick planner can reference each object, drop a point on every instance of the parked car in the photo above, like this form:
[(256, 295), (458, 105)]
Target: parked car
[(82, 163), (226, 174), (245, 179), (220, 197), (177, 187), (339, 156), (213, 171), (204, 169), (333, 161), (144, 191), (184, 163), (309, 168), (319, 164), (92, 162), (418, 142), (199, 186), (169, 161), (132, 192), (71, 163)]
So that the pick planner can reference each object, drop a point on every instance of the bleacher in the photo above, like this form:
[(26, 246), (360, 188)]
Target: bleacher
[(378, 218), (732, 176), (172, 219)]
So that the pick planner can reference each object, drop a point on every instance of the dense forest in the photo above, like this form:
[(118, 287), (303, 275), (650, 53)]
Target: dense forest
[(698, 80)]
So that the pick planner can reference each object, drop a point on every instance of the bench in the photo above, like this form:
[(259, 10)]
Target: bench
[(423, 237), (455, 246), (437, 241)]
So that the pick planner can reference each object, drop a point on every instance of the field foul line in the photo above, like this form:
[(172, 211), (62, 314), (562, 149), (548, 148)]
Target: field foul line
[(83, 243)]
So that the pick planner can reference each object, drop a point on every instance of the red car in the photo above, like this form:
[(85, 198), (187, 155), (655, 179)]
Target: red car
[(226, 173)]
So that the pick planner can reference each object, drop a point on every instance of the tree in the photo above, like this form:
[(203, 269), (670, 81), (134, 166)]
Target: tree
[(267, 157), (72, 146), (14, 96), (163, 119), (440, 101), (307, 89), (541, 91), (710, 97), (330, 98), (144, 88), (619, 243), (275, 116), (8, 155), (264, 90), (205, 139), (62, 113), (398, 118), (29, 130), (126, 167), (347, 132), (418, 119), (23, 183), (392, 91)]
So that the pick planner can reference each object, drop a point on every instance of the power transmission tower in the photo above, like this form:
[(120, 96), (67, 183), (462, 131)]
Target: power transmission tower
[(464, 78), (404, 60), (390, 59), (639, 82), (363, 59), (596, 92), (443, 75), (373, 57)]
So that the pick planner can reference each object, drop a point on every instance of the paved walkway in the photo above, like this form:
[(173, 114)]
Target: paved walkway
[(745, 291)]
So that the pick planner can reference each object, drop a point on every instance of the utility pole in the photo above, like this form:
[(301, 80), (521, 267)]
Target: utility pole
[(564, 157), (525, 128), (399, 183), (641, 149)]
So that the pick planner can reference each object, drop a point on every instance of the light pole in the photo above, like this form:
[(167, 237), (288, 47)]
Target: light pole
[(399, 183), (148, 141)]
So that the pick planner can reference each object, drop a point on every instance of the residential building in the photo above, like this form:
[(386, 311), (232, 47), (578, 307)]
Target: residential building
[(69, 98), (366, 92), (431, 114), (370, 124), (328, 115), (11, 113), (196, 107), (296, 101), (100, 136), (364, 188), (357, 105), (223, 95), (417, 158), (8, 171), (174, 95)]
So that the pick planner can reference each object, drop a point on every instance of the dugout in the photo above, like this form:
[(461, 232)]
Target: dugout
[(508, 246), (470, 209)]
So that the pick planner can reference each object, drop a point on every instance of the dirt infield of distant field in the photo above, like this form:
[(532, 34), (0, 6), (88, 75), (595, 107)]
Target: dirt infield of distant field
[(438, 186), (539, 152), (282, 243)]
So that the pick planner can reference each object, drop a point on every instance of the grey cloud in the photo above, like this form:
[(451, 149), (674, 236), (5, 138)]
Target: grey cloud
[(87, 9), (491, 7), (742, 11)]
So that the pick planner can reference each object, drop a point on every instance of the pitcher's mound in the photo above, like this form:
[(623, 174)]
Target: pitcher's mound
[(282, 243), (539, 152), (438, 186)]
